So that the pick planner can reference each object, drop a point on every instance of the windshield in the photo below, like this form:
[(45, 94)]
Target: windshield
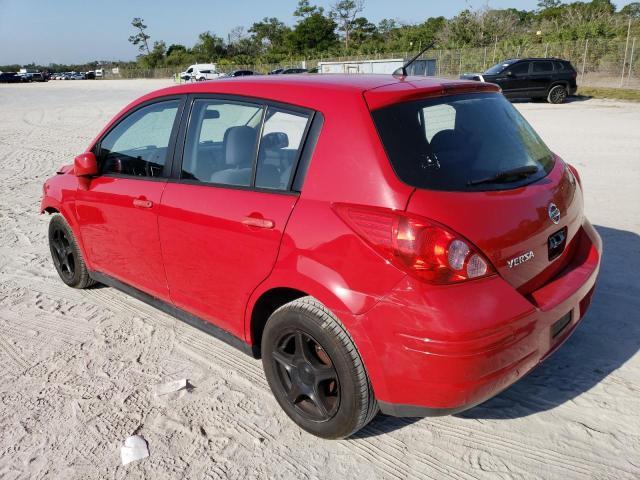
[(451, 142), (497, 68)]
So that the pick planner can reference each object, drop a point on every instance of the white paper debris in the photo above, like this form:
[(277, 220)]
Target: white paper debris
[(134, 448), (172, 386)]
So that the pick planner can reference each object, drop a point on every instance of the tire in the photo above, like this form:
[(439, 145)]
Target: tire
[(66, 255), (557, 94), (305, 349)]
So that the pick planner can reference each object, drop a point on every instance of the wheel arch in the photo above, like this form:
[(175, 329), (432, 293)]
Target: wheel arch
[(564, 83)]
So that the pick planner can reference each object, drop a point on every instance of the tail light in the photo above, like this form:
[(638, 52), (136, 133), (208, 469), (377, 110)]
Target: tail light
[(417, 245)]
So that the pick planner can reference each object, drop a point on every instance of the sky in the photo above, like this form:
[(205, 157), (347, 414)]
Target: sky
[(77, 31)]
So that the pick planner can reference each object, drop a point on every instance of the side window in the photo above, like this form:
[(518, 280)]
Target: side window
[(221, 142), (542, 67), (437, 120), (521, 68), (138, 144), (280, 146)]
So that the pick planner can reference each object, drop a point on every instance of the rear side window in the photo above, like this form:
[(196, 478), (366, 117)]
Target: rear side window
[(521, 68), (280, 147), (221, 143), (451, 142), (542, 67), (138, 144)]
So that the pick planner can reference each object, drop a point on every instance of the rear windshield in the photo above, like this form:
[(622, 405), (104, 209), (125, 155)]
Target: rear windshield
[(459, 143)]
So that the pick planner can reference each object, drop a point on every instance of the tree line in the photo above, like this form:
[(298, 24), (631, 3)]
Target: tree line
[(344, 30)]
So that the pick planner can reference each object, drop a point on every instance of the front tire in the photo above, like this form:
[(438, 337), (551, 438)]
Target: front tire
[(557, 94), (315, 371), (66, 255)]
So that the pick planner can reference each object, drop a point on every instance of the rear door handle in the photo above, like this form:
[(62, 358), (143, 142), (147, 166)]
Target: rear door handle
[(258, 222), (142, 203)]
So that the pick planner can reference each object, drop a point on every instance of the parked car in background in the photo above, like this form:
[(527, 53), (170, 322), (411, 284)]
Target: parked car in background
[(343, 228), (550, 78), (239, 73), (90, 75), (10, 77), (285, 71), (38, 77), (99, 73), (200, 72), (288, 71)]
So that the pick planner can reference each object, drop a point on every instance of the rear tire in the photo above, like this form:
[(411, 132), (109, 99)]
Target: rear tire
[(315, 371), (557, 94), (66, 255)]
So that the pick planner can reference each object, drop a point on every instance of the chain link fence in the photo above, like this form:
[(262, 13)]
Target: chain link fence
[(599, 62)]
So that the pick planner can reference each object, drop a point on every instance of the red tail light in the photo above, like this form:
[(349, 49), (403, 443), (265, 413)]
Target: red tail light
[(419, 246)]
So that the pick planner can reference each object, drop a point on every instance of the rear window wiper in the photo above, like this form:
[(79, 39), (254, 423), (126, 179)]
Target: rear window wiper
[(519, 172)]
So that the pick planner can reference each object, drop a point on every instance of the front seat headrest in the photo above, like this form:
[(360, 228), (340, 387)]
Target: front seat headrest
[(239, 144)]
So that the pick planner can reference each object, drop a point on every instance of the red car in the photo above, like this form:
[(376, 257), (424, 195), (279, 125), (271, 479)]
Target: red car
[(404, 245)]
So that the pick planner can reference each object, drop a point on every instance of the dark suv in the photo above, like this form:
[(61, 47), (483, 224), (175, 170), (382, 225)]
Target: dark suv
[(549, 78)]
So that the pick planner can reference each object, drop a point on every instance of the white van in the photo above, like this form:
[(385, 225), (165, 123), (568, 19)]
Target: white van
[(200, 72)]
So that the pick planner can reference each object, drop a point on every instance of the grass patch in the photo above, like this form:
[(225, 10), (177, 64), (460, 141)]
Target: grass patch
[(615, 93)]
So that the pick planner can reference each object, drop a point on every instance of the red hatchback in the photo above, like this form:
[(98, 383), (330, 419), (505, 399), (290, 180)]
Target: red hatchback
[(406, 245)]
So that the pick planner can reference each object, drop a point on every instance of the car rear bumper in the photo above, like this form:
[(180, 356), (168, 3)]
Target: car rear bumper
[(442, 350)]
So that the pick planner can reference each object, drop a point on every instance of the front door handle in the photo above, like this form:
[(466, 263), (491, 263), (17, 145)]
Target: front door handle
[(142, 203), (258, 222)]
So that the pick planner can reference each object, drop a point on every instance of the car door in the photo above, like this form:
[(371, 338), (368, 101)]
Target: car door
[(117, 210), (514, 80), (222, 221), (541, 77)]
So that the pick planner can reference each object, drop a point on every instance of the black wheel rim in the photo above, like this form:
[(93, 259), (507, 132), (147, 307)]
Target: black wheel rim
[(63, 254), (307, 376), (558, 95)]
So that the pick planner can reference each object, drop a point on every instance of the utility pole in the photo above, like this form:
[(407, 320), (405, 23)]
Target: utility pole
[(584, 59), (626, 47), (633, 46)]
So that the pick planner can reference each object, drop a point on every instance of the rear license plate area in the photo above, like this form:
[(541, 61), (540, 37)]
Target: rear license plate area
[(556, 243), (560, 325)]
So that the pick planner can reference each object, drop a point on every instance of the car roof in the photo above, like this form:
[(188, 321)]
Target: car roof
[(318, 91), (536, 58)]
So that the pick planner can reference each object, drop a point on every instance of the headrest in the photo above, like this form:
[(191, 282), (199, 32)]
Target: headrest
[(239, 145), (275, 140)]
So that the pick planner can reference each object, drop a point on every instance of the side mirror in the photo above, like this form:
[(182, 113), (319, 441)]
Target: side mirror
[(85, 165)]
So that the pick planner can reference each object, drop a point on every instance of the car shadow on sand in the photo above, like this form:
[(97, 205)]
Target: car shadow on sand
[(607, 338)]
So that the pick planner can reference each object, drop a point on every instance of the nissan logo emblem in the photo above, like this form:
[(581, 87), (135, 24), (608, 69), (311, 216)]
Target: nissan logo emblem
[(554, 213)]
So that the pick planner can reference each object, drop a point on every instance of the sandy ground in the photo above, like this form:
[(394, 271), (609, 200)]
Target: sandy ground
[(77, 368)]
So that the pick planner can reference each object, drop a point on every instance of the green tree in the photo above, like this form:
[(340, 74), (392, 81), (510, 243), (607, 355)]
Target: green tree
[(345, 12), (209, 47), (156, 57), (305, 9), (270, 33), (363, 32), (631, 10), (546, 4), (141, 38), (315, 33), (175, 48)]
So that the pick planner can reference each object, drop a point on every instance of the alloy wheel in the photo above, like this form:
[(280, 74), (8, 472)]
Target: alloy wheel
[(63, 253), (307, 376)]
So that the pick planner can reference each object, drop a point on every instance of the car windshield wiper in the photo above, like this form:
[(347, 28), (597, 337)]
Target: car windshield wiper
[(519, 172)]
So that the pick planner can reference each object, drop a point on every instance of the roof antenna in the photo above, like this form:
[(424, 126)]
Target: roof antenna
[(402, 71)]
